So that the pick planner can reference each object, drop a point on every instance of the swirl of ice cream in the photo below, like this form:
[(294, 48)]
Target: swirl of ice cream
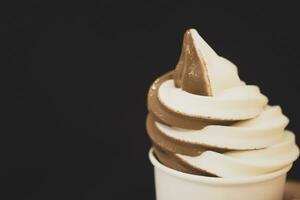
[(204, 120)]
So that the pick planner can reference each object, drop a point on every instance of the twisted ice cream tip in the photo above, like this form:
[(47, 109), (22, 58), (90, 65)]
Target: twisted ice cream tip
[(200, 70), (204, 120)]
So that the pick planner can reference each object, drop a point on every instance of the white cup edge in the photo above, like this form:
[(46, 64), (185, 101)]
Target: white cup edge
[(214, 180)]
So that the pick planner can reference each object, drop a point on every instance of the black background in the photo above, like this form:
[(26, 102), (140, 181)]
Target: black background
[(77, 76)]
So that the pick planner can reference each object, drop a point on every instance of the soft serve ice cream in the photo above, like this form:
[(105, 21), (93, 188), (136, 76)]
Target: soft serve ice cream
[(204, 120)]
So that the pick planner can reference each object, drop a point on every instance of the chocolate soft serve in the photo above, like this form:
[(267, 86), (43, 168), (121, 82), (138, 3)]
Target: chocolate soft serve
[(204, 120)]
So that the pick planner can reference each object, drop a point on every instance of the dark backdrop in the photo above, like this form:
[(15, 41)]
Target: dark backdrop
[(77, 76)]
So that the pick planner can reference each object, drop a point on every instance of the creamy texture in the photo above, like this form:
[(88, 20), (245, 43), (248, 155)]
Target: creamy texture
[(204, 120), (240, 102)]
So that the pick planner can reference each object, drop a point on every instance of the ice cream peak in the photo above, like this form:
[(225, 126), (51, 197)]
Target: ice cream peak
[(200, 70), (203, 89), (191, 72), (204, 120)]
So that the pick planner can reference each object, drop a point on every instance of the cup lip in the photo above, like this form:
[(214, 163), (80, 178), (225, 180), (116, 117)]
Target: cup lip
[(216, 180)]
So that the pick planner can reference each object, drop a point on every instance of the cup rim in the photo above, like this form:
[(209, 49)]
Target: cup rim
[(216, 180)]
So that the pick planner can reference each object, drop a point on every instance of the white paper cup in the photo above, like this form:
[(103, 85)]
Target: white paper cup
[(174, 185)]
